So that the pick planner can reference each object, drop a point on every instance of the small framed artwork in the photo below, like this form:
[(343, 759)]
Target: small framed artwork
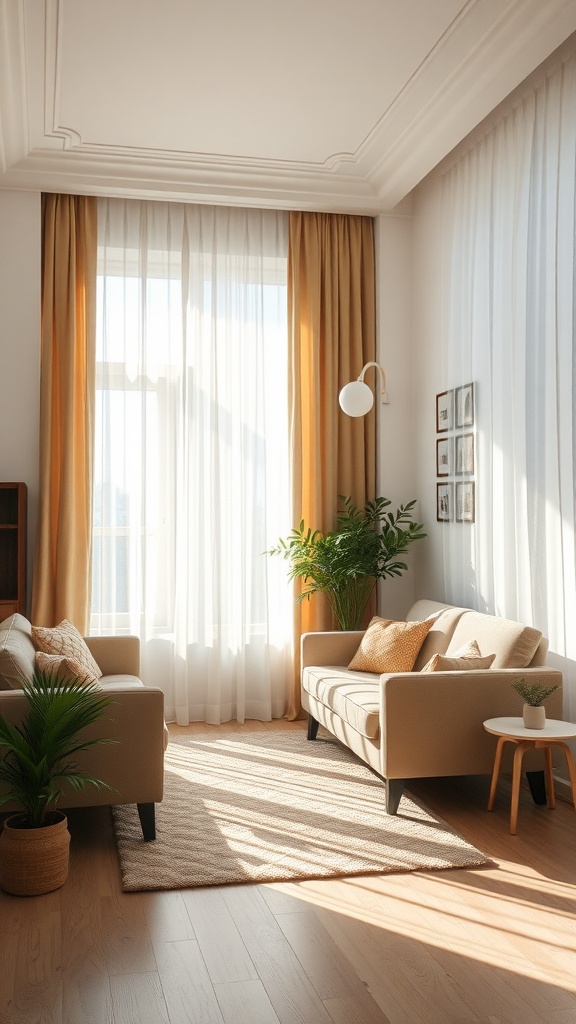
[(444, 503), (464, 454), (444, 456), (464, 401), (444, 411), (465, 502)]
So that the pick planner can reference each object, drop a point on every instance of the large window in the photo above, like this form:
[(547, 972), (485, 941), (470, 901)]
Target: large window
[(191, 460)]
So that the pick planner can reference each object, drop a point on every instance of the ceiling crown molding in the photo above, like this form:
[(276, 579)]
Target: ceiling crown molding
[(14, 143), (476, 63)]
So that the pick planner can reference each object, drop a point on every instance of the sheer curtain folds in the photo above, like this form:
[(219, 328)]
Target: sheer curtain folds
[(191, 461), (509, 205)]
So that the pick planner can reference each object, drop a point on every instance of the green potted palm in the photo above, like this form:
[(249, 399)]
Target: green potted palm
[(368, 544), (37, 760)]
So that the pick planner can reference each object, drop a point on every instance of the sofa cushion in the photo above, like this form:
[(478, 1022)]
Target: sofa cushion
[(389, 646), (16, 652), (59, 668), (65, 640), (465, 658), (353, 696), (440, 633), (513, 644)]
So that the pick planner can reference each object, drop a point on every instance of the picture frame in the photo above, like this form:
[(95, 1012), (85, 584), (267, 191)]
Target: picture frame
[(444, 456), (465, 501), (464, 405), (444, 502), (464, 455), (444, 411)]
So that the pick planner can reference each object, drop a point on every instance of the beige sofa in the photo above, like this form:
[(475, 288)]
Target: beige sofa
[(134, 764), (417, 725)]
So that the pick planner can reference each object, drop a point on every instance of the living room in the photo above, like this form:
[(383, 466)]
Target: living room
[(493, 564)]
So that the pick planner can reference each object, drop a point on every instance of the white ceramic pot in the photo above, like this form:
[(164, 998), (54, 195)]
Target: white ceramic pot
[(534, 718)]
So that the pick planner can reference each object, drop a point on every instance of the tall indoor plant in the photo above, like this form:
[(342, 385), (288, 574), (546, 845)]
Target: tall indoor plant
[(368, 544), (37, 759)]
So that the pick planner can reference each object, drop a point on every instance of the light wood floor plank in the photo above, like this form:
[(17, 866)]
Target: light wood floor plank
[(289, 989), (138, 999), (245, 1002), (222, 948), (329, 971), (186, 984)]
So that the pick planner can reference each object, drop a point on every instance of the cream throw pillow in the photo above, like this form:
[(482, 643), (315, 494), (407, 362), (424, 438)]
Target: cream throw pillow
[(465, 658), (390, 646), (65, 640), (61, 669)]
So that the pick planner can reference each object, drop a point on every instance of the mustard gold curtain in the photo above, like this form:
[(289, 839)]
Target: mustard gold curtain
[(61, 587), (332, 331)]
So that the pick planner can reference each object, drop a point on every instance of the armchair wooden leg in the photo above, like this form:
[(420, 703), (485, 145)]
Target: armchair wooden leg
[(147, 815), (394, 790), (312, 728)]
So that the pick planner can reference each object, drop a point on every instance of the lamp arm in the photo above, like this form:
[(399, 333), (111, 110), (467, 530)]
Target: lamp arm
[(382, 377)]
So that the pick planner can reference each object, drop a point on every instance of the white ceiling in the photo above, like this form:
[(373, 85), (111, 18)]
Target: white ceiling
[(306, 104)]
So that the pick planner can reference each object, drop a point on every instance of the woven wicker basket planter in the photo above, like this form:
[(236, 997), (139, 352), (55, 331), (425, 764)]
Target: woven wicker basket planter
[(34, 860)]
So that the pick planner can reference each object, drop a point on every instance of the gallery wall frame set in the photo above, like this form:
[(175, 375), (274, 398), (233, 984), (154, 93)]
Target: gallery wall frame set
[(455, 455), (455, 408)]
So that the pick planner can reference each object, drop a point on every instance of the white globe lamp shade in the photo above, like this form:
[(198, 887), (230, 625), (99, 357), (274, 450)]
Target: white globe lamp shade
[(356, 398)]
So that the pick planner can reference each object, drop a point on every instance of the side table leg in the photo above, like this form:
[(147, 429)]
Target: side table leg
[(496, 771), (516, 775)]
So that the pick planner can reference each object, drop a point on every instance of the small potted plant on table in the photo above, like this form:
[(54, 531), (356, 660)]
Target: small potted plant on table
[(34, 844), (533, 694)]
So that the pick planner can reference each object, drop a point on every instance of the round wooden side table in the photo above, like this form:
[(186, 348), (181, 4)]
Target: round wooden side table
[(512, 730)]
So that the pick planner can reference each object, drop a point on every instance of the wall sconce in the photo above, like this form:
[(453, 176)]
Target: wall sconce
[(356, 398)]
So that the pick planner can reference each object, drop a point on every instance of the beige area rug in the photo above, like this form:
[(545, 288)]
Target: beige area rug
[(272, 806)]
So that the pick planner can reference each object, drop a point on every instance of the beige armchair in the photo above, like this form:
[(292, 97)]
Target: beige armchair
[(133, 765)]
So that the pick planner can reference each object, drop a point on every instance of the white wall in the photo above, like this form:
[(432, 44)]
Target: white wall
[(397, 476), (20, 347), (427, 374)]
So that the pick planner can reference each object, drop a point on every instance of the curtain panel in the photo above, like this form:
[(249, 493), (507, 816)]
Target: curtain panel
[(191, 462), (510, 252), (332, 334), (61, 584)]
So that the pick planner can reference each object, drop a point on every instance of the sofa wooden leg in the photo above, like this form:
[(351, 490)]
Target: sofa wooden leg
[(537, 784), (147, 815), (394, 789), (312, 728)]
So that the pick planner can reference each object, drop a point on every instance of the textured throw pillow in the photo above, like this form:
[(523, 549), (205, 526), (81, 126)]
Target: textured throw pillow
[(465, 658), (389, 646), (62, 669), (66, 641)]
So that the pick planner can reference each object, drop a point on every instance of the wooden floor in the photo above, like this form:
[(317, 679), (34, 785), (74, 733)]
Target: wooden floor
[(496, 945)]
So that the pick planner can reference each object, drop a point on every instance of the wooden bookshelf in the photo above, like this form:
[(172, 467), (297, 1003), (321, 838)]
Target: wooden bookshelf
[(13, 509)]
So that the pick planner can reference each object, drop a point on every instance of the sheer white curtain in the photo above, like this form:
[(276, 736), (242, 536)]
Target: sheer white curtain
[(191, 464), (509, 209)]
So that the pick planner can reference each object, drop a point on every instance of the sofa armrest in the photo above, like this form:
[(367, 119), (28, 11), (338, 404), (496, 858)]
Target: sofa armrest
[(116, 655), (337, 647), (431, 723), (132, 764)]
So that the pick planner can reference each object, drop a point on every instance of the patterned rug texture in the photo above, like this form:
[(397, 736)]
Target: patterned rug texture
[(272, 806)]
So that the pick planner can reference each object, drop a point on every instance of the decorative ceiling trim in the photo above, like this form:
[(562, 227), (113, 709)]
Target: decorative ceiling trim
[(14, 143), (52, 57), (477, 62)]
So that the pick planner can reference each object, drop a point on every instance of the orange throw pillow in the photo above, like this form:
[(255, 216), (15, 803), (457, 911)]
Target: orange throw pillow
[(390, 646)]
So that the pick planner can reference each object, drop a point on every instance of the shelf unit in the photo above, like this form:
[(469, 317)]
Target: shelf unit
[(13, 512)]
